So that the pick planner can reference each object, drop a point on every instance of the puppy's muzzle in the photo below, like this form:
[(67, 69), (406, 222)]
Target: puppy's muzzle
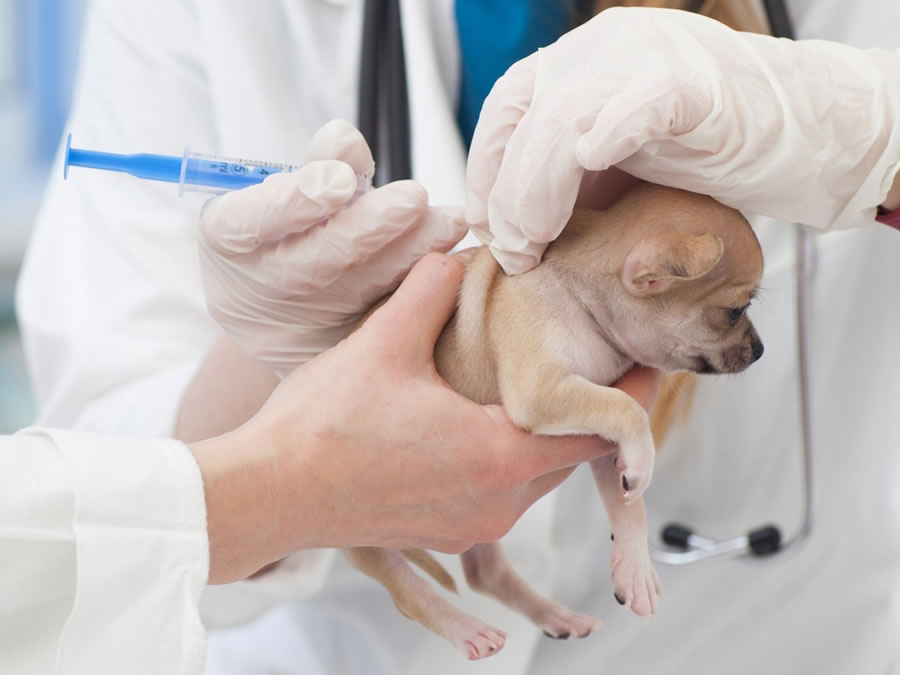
[(734, 359), (757, 349), (738, 358)]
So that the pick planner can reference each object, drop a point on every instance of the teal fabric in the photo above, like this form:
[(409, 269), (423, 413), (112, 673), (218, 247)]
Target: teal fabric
[(494, 34)]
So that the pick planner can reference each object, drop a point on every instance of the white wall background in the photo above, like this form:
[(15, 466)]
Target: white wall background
[(38, 58)]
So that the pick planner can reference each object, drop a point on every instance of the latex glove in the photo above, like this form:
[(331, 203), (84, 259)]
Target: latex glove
[(805, 131), (290, 265)]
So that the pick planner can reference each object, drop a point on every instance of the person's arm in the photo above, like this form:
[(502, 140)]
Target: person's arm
[(290, 266), (103, 555), (737, 116), (109, 540), (225, 391)]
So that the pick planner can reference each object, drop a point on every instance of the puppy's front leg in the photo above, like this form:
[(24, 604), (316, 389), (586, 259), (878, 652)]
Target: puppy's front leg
[(555, 402), (634, 579)]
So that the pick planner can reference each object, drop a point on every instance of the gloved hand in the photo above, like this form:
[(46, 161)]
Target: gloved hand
[(290, 265), (805, 131)]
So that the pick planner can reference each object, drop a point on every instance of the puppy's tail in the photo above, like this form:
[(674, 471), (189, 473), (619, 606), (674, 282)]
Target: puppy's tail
[(427, 563)]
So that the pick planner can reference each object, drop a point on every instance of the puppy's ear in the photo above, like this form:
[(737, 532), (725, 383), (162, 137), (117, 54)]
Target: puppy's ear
[(655, 264)]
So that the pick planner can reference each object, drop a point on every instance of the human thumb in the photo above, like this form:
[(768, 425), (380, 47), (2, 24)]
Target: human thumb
[(423, 304)]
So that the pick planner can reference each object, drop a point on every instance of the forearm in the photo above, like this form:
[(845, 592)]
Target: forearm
[(237, 482), (226, 391), (264, 497)]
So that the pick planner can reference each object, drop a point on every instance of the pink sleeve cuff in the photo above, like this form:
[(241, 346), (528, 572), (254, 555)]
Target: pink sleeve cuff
[(890, 218)]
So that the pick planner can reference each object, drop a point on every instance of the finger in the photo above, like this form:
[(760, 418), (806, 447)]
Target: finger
[(545, 454), (467, 254), (319, 257), (452, 546), (440, 229), (535, 190), (285, 203), (504, 106), (422, 305), (657, 106), (546, 483), (342, 141), (601, 189), (642, 383)]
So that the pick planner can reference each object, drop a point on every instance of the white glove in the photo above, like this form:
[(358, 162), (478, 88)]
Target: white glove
[(289, 266), (805, 131)]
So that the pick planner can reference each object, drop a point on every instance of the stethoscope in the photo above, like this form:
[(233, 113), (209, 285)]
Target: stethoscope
[(384, 121), (686, 546), (383, 98)]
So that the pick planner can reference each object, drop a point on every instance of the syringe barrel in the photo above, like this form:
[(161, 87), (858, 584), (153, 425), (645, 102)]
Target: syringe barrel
[(208, 173), (192, 171)]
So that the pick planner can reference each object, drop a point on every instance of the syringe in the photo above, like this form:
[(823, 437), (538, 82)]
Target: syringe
[(192, 171)]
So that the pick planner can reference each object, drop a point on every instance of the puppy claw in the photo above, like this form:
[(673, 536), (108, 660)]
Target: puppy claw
[(560, 623), (480, 640), (636, 583), (635, 465)]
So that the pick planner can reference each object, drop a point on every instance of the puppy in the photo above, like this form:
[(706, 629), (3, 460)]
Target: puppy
[(662, 278)]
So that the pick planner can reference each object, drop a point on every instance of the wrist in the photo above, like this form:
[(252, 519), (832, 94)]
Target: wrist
[(237, 476)]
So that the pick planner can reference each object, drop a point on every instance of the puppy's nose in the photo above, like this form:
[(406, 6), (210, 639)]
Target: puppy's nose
[(756, 346)]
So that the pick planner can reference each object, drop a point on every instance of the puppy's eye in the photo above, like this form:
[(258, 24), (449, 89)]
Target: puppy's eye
[(735, 314)]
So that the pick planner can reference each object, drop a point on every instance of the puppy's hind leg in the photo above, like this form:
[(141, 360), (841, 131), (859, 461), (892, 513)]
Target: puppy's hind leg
[(489, 571), (417, 600)]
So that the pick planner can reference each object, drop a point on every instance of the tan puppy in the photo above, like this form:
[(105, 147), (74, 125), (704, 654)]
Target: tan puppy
[(662, 278)]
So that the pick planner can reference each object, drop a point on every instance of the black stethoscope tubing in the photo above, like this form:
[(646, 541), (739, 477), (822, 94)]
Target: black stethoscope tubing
[(383, 97)]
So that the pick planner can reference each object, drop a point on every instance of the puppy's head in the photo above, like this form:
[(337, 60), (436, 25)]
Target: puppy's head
[(687, 269)]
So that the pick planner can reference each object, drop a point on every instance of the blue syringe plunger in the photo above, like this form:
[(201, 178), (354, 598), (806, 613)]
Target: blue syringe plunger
[(192, 171)]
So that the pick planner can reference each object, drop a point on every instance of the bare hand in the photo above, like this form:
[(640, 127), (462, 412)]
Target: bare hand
[(367, 445)]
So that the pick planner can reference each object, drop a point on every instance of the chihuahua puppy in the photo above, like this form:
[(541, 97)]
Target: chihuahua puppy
[(662, 278)]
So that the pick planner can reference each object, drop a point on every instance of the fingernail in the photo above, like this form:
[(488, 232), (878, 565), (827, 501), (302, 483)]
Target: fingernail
[(465, 256)]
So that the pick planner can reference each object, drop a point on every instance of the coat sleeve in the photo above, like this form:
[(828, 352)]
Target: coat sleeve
[(104, 555), (110, 301)]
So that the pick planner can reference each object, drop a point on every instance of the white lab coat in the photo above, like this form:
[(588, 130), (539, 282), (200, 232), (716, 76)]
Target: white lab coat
[(83, 515), (114, 324)]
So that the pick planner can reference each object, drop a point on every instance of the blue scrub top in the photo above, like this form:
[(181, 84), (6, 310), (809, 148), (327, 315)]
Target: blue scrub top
[(494, 34)]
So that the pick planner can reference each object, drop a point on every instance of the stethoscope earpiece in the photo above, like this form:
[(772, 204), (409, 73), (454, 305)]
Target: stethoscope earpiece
[(692, 547)]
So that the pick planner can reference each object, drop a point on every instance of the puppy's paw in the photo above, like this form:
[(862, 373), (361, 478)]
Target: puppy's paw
[(477, 640), (561, 623), (635, 583), (635, 465)]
